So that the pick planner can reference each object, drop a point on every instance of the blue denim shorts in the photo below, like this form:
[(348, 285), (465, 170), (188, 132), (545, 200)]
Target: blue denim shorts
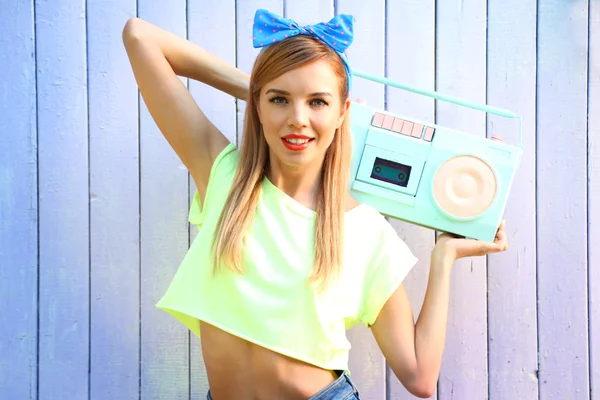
[(341, 389)]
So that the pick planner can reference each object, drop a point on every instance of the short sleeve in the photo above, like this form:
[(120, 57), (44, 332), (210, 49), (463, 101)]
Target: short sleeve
[(219, 183), (394, 262)]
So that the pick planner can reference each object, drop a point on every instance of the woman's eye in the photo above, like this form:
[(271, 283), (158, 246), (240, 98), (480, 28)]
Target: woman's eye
[(313, 102), (277, 100), (318, 102)]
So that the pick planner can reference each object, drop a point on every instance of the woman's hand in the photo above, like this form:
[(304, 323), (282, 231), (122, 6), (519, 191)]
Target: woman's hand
[(450, 247)]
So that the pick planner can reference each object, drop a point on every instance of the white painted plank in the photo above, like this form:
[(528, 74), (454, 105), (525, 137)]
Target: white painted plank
[(512, 306), (593, 135), (461, 71), (164, 237), (562, 199), (18, 203), (63, 200), (114, 207), (410, 49)]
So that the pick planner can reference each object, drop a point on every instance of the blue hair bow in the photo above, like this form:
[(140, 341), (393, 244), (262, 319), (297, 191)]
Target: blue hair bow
[(271, 28)]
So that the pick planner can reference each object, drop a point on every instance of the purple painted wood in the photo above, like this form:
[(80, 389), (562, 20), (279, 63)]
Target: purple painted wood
[(512, 303), (594, 196), (245, 52), (18, 204), (164, 237), (461, 71), (63, 200), (204, 24), (419, 26), (367, 53), (114, 207), (561, 196)]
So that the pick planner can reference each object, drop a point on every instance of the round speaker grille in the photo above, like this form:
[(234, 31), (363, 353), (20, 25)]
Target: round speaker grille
[(464, 186)]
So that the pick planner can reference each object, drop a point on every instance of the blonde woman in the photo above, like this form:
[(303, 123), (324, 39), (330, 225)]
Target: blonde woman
[(285, 260)]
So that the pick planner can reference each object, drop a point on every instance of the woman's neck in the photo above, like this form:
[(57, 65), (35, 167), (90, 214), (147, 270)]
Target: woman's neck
[(301, 184)]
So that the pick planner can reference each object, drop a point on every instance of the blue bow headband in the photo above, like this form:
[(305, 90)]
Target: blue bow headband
[(270, 28)]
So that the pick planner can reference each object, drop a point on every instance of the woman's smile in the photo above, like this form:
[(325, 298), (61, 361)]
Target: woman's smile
[(296, 142)]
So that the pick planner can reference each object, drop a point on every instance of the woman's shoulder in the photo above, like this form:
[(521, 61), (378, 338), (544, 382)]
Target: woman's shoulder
[(219, 182), (365, 214), (372, 226)]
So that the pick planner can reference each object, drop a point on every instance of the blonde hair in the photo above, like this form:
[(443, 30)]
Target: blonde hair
[(238, 211)]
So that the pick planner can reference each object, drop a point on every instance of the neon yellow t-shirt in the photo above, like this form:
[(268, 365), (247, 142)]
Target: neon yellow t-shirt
[(271, 304)]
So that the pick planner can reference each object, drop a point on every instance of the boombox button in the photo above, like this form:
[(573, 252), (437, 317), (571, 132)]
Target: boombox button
[(417, 131), (388, 121), (397, 125), (378, 120), (407, 127), (428, 134)]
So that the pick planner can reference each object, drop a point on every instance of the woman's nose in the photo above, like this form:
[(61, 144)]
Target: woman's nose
[(298, 116)]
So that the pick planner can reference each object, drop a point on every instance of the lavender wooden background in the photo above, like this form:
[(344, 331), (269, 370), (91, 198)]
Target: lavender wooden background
[(93, 202)]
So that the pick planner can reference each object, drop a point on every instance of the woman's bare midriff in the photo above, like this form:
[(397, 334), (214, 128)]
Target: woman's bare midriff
[(238, 369)]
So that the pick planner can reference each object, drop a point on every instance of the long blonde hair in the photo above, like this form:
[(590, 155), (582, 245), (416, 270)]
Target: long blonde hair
[(238, 211)]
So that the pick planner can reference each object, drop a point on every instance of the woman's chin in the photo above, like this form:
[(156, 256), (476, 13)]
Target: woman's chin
[(297, 159)]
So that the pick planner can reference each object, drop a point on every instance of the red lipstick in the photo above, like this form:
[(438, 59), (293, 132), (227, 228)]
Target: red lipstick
[(296, 142)]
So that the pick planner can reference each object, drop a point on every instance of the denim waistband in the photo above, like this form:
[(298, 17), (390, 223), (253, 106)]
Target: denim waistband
[(341, 389)]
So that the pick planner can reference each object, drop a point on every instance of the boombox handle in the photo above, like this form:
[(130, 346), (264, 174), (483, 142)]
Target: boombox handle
[(440, 96)]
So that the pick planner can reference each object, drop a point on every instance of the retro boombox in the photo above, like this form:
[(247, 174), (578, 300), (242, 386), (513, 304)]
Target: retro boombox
[(431, 175)]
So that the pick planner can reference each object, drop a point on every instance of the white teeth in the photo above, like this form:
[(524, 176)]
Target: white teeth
[(297, 141)]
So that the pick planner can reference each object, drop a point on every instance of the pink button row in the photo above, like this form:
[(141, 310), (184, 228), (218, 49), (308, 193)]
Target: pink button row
[(402, 126)]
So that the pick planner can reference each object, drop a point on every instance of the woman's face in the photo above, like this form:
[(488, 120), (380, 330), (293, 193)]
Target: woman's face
[(300, 112)]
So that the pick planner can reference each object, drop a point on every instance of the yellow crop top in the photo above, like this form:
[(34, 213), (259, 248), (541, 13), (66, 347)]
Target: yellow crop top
[(271, 304)]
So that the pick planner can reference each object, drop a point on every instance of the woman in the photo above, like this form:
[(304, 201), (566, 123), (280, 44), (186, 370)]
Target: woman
[(285, 260)]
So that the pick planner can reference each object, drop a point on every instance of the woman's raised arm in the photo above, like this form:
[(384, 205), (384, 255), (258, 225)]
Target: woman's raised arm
[(157, 58)]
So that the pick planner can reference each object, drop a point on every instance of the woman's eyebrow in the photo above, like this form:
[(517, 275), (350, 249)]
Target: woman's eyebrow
[(283, 92)]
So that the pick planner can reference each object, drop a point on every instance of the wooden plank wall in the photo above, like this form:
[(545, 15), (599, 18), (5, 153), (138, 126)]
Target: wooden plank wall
[(562, 199), (594, 190), (512, 310), (93, 202)]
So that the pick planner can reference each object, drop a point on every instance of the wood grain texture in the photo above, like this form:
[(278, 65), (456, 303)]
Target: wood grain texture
[(367, 53), (18, 203), (63, 200), (461, 71), (512, 302), (414, 37), (562, 199), (205, 22), (593, 134), (114, 207), (164, 237)]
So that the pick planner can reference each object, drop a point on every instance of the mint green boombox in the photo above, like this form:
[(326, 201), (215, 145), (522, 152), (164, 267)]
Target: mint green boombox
[(431, 175)]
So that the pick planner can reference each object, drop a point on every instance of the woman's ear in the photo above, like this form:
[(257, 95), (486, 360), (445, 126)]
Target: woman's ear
[(343, 111), (257, 105)]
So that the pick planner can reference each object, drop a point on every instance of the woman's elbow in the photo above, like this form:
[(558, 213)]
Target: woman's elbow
[(424, 388), (424, 392), (132, 30), (417, 383)]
